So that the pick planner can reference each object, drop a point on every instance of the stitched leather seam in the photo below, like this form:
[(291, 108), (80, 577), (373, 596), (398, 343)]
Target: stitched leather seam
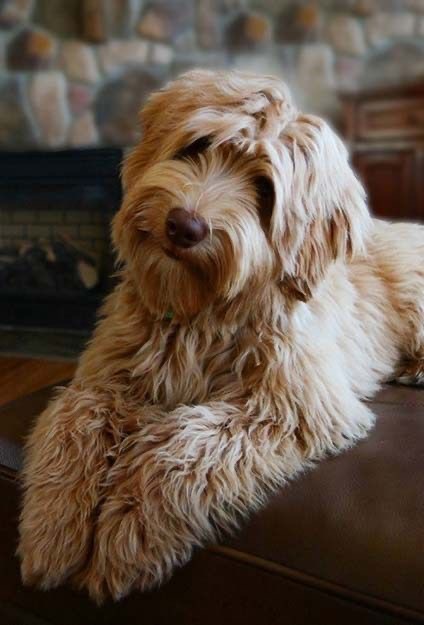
[(318, 583)]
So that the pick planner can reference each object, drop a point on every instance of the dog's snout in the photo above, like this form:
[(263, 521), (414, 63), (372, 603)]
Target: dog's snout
[(184, 229)]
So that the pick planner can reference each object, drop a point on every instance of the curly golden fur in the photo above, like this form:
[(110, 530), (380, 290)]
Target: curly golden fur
[(292, 310)]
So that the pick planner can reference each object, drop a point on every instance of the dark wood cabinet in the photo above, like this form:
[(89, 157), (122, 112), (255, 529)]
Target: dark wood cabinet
[(389, 179), (385, 132)]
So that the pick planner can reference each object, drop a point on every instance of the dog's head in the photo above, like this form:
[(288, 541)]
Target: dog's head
[(231, 189)]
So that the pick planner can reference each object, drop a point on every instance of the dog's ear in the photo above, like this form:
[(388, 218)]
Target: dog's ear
[(324, 241), (158, 127), (163, 122), (161, 137), (321, 212)]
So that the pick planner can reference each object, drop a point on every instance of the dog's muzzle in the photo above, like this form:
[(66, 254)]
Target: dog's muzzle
[(184, 229)]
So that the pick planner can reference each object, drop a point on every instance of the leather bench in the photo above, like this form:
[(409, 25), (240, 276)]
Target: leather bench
[(343, 544)]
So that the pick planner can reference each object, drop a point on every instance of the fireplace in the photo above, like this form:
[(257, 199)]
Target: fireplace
[(55, 252)]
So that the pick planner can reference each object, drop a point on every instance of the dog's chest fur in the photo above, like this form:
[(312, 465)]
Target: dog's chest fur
[(195, 363), (185, 364)]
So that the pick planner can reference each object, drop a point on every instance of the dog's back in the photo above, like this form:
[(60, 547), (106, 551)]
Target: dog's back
[(395, 256)]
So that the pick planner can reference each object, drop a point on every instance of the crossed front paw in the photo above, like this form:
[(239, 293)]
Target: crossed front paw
[(56, 529), (52, 546), (128, 555)]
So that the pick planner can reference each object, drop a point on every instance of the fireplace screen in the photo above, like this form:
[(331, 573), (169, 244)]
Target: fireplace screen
[(55, 253)]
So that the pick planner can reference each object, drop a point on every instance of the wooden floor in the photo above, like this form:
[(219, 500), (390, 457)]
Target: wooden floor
[(21, 376)]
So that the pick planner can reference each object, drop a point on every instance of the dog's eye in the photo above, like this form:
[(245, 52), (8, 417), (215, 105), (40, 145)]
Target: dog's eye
[(265, 200), (193, 149)]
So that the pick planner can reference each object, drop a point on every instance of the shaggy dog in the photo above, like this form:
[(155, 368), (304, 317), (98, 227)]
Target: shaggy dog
[(258, 304)]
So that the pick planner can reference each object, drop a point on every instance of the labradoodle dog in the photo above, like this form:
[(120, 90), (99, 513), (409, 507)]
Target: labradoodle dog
[(258, 304)]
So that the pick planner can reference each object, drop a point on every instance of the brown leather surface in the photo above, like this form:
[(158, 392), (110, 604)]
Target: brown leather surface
[(211, 590), (343, 543), (357, 520), (15, 421)]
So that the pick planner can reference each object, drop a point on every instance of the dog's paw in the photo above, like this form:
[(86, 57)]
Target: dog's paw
[(411, 374), (34, 572), (49, 557), (55, 534), (40, 570), (128, 554), (117, 556)]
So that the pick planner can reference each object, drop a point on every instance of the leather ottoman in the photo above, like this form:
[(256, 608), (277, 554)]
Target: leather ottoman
[(343, 544)]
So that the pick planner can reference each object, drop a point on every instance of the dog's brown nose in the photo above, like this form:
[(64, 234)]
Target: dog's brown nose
[(184, 229)]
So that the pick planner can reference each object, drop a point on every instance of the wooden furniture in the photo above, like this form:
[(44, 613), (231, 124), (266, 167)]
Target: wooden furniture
[(385, 131), (20, 376)]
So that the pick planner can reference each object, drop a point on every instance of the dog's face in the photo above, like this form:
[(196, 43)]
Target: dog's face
[(231, 190)]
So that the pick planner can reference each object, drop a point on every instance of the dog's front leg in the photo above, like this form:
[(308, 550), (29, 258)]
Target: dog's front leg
[(66, 462), (179, 479)]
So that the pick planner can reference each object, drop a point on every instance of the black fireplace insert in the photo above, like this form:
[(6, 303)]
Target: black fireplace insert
[(55, 252)]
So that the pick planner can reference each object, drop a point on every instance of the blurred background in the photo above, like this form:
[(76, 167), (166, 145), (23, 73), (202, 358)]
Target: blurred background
[(73, 76), (74, 73)]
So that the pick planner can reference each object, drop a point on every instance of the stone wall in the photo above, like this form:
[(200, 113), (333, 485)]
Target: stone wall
[(75, 72)]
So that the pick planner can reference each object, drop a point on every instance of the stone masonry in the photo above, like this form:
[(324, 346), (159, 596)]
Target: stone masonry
[(73, 73)]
